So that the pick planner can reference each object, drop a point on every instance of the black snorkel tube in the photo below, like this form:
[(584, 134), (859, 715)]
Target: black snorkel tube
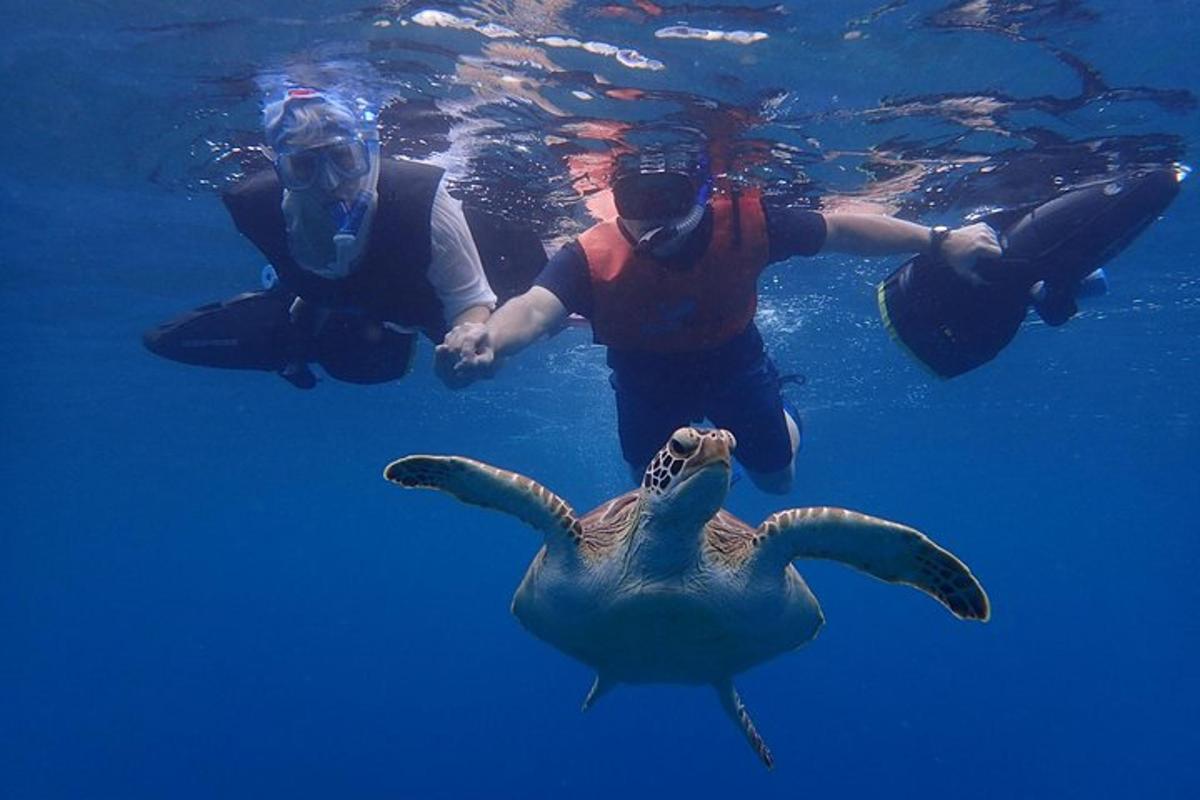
[(953, 325), (658, 238)]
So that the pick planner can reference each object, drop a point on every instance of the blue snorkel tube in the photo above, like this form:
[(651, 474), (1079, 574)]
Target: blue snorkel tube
[(349, 217)]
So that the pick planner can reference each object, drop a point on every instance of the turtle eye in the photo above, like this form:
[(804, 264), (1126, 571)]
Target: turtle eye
[(683, 443)]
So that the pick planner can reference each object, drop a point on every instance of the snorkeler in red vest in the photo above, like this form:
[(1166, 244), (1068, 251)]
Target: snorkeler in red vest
[(670, 288)]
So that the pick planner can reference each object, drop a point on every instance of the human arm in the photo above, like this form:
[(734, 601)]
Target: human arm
[(470, 350), (563, 287), (878, 234), (455, 270), (478, 314)]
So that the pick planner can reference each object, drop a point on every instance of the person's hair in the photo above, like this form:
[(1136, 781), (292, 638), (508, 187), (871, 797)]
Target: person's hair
[(298, 123)]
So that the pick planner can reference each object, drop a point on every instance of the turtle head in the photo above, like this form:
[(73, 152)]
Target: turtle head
[(690, 474)]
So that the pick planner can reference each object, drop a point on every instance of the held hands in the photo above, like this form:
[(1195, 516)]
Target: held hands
[(966, 244), (465, 355)]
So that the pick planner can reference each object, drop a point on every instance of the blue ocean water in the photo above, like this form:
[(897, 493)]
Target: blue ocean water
[(207, 590)]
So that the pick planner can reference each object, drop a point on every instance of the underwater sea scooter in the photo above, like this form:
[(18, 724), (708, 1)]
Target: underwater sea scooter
[(1052, 254)]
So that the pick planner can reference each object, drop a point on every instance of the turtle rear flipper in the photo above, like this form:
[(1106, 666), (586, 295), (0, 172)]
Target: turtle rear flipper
[(732, 703), (600, 687), (885, 550), (484, 485)]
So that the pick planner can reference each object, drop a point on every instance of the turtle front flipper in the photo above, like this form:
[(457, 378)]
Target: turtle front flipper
[(484, 485), (885, 550)]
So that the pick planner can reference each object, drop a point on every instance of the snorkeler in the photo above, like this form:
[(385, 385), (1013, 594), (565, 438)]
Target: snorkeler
[(670, 288), (364, 252)]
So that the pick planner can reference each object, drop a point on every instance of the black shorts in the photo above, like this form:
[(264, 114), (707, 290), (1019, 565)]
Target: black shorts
[(734, 386)]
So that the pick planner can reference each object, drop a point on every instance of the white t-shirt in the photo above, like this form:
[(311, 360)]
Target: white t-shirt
[(455, 269)]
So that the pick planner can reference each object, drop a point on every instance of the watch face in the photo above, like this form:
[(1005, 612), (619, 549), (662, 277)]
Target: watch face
[(937, 236)]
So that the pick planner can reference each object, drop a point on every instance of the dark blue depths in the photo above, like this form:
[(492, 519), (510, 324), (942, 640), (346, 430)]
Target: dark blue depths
[(207, 590)]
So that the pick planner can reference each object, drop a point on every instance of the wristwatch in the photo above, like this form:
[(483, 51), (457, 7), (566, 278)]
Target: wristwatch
[(937, 235)]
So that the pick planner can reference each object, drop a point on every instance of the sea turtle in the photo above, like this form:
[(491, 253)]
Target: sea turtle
[(660, 585)]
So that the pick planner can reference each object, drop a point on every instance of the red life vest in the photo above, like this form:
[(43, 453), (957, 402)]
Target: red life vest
[(640, 303)]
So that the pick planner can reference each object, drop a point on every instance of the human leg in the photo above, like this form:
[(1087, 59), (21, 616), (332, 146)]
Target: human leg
[(647, 415), (359, 350), (748, 403)]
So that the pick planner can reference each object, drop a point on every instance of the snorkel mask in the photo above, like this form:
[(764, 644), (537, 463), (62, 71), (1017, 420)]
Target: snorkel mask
[(320, 144), (661, 199), (316, 139)]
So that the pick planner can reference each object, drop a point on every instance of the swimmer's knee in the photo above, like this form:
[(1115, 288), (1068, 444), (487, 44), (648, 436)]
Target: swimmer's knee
[(777, 482)]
